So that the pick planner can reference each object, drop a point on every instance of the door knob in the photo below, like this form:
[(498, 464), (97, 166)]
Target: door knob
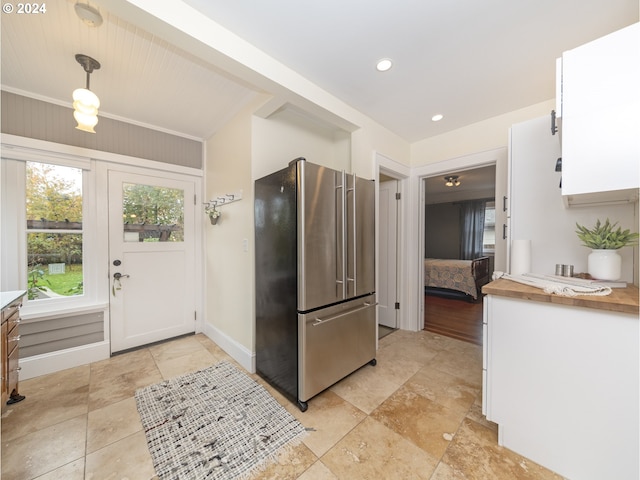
[(119, 275)]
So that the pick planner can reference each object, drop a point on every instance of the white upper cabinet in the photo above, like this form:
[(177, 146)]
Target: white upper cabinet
[(600, 97)]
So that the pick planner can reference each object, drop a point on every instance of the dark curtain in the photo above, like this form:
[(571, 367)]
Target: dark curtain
[(472, 229)]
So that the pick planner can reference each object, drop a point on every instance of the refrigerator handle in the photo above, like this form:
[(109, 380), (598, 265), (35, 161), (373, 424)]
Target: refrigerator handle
[(364, 306), (340, 232), (351, 259)]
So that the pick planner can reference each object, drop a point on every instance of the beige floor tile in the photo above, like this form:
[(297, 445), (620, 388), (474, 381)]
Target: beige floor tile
[(453, 392), (396, 364), (475, 414), (365, 388), (59, 398), (372, 451), (290, 464), (112, 423), (118, 378), (422, 398), (70, 471), (167, 351), (128, 458), (187, 363), (45, 450), (447, 472), (329, 418), (211, 347), (426, 424), (55, 383), (464, 364), (318, 471), (420, 348), (475, 454)]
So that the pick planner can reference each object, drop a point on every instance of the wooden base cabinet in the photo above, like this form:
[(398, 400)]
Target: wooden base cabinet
[(562, 383), (9, 351)]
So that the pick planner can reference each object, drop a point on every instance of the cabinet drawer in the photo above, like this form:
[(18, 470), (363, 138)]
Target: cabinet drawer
[(13, 337), (13, 319), (11, 309), (13, 369)]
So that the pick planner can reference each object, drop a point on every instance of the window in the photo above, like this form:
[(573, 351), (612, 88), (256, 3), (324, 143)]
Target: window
[(152, 214), (54, 232), (489, 236)]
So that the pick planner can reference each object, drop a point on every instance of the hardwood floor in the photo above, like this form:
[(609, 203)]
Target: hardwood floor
[(456, 318)]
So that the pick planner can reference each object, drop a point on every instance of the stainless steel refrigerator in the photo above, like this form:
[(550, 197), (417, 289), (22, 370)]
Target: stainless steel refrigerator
[(315, 278)]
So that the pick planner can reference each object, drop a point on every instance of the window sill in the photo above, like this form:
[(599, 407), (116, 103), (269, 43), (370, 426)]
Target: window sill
[(41, 312)]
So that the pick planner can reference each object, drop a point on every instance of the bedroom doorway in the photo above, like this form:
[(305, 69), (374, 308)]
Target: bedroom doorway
[(477, 185)]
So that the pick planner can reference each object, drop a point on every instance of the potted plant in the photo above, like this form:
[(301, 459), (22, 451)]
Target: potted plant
[(604, 262), (213, 213)]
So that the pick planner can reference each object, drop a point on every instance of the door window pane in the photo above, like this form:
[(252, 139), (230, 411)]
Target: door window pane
[(152, 214), (54, 231)]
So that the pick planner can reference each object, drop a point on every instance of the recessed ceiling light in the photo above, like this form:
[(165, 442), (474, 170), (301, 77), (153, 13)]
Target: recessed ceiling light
[(384, 65), (437, 118)]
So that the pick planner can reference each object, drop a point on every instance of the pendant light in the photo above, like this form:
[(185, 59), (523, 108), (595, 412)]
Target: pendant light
[(85, 102)]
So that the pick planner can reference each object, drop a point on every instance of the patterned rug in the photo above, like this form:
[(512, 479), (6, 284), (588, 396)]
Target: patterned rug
[(216, 423)]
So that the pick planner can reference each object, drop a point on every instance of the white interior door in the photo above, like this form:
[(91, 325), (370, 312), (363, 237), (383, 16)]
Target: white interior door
[(151, 258), (388, 252)]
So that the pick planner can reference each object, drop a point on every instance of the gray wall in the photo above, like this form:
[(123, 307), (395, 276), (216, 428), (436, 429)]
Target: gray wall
[(442, 231), (27, 117)]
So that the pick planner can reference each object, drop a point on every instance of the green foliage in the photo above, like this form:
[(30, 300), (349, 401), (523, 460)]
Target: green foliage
[(35, 282), (53, 193), (604, 237), (66, 284)]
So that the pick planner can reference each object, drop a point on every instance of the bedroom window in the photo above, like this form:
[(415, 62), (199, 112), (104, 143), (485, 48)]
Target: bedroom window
[(54, 231), (489, 236)]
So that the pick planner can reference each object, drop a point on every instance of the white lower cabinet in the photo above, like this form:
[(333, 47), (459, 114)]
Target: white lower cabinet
[(563, 384)]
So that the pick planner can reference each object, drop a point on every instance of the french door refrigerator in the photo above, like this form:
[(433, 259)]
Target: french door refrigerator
[(315, 278)]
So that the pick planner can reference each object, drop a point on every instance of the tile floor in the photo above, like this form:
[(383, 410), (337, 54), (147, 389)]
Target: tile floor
[(416, 415)]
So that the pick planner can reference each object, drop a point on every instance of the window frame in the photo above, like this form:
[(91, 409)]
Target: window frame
[(14, 236), (489, 251)]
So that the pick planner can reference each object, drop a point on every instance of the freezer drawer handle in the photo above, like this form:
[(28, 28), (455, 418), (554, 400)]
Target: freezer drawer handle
[(319, 320)]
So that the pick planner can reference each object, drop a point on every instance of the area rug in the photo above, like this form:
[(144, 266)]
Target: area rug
[(216, 423)]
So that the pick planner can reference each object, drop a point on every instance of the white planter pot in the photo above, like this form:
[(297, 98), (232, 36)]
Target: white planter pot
[(604, 264)]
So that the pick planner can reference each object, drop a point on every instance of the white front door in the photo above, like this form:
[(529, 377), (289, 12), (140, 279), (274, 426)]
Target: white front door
[(151, 258), (388, 235)]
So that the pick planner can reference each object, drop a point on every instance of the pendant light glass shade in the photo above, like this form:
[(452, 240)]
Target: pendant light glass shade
[(85, 105), (85, 102)]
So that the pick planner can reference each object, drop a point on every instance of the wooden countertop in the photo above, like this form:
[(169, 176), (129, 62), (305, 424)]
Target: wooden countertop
[(624, 300)]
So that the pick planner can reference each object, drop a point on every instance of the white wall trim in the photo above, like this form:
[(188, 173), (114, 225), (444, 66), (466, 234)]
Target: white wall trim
[(402, 173), (416, 238), (46, 363), (238, 352)]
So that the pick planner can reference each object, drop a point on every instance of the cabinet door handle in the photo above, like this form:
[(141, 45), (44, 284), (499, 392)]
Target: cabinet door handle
[(504, 231)]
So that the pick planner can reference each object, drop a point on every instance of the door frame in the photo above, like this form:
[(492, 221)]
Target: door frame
[(150, 167), (497, 157), (402, 174)]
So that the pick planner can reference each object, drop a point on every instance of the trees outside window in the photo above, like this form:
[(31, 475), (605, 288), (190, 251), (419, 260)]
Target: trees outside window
[(54, 231)]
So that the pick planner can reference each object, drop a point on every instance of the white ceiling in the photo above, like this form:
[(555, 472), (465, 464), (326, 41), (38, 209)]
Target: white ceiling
[(468, 60)]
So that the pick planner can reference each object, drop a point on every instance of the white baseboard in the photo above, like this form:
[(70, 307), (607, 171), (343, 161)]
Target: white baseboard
[(45, 363), (238, 352)]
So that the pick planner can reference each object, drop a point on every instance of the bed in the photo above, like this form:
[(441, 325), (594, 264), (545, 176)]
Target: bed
[(456, 277)]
